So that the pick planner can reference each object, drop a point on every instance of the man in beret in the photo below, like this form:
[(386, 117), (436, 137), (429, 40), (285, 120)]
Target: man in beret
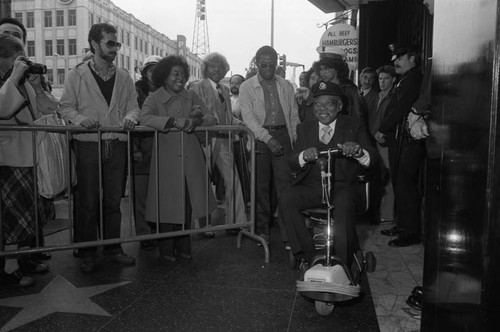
[(329, 130)]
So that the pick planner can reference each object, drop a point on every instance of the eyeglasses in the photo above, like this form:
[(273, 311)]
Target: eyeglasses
[(267, 65), (112, 43)]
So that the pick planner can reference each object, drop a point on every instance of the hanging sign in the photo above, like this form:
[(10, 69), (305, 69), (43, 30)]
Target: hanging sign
[(344, 38)]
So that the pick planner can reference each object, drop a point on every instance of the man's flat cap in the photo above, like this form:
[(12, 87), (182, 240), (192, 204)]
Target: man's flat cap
[(327, 88)]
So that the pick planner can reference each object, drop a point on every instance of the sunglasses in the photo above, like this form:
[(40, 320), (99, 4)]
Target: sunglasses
[(14, 34), (267, 65), (112, 43)]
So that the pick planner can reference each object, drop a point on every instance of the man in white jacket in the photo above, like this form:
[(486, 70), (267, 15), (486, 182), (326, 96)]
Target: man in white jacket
[(269, 109)]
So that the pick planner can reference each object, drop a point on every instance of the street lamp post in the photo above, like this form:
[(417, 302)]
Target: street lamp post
[(272, 23), (65, 65)]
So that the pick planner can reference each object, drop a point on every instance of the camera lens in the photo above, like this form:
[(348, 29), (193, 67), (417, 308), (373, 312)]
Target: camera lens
[(37, 68)]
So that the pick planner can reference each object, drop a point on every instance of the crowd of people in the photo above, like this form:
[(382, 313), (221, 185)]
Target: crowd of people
[(376, 127)]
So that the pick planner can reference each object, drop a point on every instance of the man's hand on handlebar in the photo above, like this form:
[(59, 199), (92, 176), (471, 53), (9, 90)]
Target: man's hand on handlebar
[(310, 155), (351, 149)]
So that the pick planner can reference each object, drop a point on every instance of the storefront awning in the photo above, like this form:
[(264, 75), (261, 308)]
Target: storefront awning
[(332, 6)]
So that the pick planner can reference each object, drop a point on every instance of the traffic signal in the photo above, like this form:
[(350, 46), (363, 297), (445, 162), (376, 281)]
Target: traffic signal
[(283, 60)]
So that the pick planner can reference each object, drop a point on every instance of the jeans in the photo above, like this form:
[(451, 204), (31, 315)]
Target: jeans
[(88, 222)]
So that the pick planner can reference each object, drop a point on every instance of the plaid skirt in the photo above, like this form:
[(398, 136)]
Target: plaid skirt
[(18, 205)]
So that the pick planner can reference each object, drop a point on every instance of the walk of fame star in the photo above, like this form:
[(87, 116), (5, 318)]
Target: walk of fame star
[(58, 296)]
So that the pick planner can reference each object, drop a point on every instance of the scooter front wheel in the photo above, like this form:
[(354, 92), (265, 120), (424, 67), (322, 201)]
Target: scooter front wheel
[(324, 308)]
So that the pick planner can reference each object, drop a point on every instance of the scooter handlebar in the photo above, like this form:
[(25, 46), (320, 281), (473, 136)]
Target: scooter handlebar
[(333, 152)]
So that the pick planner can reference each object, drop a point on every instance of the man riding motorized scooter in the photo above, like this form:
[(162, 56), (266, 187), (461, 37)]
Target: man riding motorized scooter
[(330, 130)]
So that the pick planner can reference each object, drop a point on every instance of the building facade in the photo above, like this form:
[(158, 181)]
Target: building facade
[(57, 33)]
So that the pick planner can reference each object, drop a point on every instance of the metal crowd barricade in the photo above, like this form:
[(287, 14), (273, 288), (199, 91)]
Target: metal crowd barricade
[(245, 228)]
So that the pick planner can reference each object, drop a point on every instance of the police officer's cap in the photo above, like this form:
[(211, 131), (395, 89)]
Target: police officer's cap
[(402, 49)]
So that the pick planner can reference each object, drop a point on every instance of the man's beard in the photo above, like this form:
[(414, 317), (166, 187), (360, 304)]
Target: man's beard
[(235, 91)]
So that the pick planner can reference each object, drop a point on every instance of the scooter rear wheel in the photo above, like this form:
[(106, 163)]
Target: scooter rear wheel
[(324, 308)]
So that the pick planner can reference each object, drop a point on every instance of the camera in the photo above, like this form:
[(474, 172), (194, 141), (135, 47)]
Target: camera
[(35, 68)]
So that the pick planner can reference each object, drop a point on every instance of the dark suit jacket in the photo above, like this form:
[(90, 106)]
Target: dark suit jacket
[(406, 93), (347, 129), (368, 104)]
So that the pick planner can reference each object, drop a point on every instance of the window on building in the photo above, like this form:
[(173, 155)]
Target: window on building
[(72, 17), (60, 76), (135, 43), (48, 18), (146, 47), (140, 45), (91, 19), (50, 75), (19, 17), (30, 48), (60, 47), (122, 60), (30, 19), (122, 36), (98, 19), (60, 18), (48, 48), (71, 46), (128, 38), (135, 64), (127, 64)]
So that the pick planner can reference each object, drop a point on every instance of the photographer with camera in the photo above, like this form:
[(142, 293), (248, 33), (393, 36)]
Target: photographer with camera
[(23, 100)]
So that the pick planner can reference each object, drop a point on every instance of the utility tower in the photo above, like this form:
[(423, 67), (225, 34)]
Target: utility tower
[(201, 44)]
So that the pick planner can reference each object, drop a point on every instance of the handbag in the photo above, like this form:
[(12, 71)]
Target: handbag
[(53, 156)]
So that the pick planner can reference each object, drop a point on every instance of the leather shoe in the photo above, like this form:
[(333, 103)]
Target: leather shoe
[(418, 291), (405, 241), (148, 244), (31, 265), (209, 235), (265, 238), (415, 302), (393, 231), (167, 259), (15, 278), (42, 256), (121, 258)]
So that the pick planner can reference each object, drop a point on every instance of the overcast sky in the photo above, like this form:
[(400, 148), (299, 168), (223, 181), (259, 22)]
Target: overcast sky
[(237, 28)]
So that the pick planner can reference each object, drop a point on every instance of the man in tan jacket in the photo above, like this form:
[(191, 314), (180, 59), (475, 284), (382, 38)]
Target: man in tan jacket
[(96, 94)]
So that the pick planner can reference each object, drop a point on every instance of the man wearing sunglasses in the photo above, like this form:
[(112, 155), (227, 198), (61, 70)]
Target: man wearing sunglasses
[(269, 109), (97, 94)]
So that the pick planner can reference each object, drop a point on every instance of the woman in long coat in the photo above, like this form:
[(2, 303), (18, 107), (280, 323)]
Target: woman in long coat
[(181, 181)]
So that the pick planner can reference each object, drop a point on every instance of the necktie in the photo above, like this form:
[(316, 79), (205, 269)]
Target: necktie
[(223, 118), (327, 135), (219, 90)]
